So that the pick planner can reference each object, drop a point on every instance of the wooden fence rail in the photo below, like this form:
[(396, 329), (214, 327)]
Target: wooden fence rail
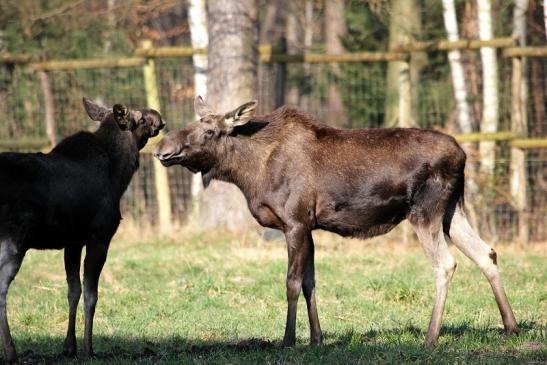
[(42, 144), (269, 54), (144, 56)]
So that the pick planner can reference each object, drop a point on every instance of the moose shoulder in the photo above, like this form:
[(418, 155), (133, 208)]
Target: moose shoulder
[(298, 175)]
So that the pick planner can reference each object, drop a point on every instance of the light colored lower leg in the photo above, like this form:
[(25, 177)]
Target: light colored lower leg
[(469, 242), (10, 262), (444, 265)]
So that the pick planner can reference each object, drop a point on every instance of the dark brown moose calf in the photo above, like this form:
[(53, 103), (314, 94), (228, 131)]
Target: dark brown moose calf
[(298, 175), (67, 199)]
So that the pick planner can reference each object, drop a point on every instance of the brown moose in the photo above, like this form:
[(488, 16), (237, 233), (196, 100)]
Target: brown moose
[(298, 175)]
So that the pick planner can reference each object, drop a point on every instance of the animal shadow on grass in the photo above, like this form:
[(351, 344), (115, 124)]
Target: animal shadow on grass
[(135, 350), (406, 341)]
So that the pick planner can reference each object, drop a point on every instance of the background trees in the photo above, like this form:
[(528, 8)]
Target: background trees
[(457, 91)]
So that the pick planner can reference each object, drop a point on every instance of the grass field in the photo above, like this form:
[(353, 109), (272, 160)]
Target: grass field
[(220, 298)]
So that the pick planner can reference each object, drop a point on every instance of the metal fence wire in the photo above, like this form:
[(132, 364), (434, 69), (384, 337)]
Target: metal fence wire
[(363, 95)]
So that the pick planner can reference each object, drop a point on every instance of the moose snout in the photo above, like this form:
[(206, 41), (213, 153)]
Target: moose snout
[(166, 150)]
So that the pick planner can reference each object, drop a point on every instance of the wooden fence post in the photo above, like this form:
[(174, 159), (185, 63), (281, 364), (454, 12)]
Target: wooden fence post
[(161, 178), (49, 107), (518, 177)]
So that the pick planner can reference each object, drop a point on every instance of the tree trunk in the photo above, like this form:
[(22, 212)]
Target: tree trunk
[(460, 94), (197, 19), (545, 16), (272, 76), (470, 30), (292, 96), (519, 178), (308, 41), (231, 81), (335, 29), (111, 21), (489, 60), (456, 68), (49, 107), (402, 98)]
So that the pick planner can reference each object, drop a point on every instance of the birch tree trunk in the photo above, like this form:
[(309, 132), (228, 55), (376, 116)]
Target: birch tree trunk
[(460, 95), (489, 60), (519, 123), (197, 19), (456, 68), (231, 81), (335, 29)]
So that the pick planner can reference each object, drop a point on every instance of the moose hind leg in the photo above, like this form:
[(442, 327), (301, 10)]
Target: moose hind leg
[(72, 267), (10, 262), (432, 240), (468, 241)]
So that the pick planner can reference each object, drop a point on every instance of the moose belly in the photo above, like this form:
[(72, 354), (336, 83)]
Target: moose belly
[(362, 218)]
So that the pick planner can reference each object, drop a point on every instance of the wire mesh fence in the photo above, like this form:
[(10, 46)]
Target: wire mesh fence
[(361, 88)]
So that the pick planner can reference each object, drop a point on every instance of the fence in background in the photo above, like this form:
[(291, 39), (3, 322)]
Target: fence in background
[(31, 121)]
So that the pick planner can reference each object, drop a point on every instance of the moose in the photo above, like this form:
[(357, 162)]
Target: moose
[(298, 175), (67, 199)]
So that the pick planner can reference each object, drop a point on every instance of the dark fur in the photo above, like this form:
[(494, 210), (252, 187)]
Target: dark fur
[(70, 197), (298, 175)]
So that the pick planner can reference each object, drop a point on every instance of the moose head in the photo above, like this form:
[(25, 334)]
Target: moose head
[(142, 123)]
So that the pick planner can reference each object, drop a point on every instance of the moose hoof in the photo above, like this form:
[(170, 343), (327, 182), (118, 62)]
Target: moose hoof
[(317, 341), (11, 357), (430, 342), (513, 330), (69, 352), (89, 354), (289, 342)]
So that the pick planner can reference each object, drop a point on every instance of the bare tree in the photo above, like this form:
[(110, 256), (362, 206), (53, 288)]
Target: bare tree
[(231, 80), (465, 123), (456, 68), (404, 26), (471, 61), (489, 122), (518, 122), (545, 16), (49, 107), (294, 45), (197, 19), (335, 29)]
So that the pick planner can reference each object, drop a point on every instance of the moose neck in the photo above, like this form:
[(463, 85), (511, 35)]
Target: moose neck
[(123, 153), (242, 161)]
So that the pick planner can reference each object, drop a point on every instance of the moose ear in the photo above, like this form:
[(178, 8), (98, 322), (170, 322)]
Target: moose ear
[(95, 111), (240, 115), (201, 108), (121, 116)]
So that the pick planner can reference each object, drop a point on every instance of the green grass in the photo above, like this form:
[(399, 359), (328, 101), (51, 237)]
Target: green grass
[(220, 298)]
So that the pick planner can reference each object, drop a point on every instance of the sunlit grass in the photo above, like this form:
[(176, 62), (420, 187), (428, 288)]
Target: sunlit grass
[(220, 298)]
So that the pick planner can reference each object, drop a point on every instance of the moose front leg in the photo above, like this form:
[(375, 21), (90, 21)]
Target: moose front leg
[(308, 287), (93, 265), (72, 267), (299, 248)]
